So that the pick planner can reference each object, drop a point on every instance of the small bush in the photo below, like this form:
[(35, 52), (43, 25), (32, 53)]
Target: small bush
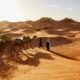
[(5, 37)]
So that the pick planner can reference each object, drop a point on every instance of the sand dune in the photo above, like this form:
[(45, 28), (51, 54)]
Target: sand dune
[(62, 62), (50, 66)]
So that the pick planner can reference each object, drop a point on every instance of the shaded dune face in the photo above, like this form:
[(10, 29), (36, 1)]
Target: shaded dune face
[(56, 41), (63, 46), (71, 50)]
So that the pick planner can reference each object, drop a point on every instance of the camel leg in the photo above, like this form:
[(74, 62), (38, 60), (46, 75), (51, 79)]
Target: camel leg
[(27, 44), (1, 53), (31, 45), (14, 48), (23, 46), (12, 55)]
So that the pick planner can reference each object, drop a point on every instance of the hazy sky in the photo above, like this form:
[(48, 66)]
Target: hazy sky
[(16, 10)]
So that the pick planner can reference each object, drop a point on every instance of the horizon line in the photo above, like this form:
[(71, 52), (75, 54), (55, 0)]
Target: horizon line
[(27, 19)]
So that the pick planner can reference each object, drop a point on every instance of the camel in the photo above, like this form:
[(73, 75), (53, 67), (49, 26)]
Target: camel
[(16, 45), (8, 46), (27, 41), (22, 44), (5, 46), (1, 48)]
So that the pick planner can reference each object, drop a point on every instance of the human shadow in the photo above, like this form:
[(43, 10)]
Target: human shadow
[(34, 59), (63, 56)]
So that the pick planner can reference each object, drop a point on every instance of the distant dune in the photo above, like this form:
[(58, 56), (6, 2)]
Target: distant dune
[(51, 26)]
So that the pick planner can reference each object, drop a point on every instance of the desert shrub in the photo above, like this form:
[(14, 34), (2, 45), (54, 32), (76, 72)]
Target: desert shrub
[(5, 37)]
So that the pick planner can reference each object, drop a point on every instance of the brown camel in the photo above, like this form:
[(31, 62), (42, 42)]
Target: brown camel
[(27, 41), (18, 45), (1, 48), (15, 46), (5, 47)]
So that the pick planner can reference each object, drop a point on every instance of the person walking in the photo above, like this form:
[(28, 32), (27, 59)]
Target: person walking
[(48, 44), (40, 42)]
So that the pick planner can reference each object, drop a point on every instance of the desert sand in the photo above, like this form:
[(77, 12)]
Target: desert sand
[(62, 62), (48, 67)]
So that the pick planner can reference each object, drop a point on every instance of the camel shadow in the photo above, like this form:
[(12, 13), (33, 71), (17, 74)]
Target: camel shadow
[(34, 59), (6, 69)]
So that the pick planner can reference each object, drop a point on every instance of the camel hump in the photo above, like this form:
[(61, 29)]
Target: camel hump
[(18, 41), (26, 38)]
